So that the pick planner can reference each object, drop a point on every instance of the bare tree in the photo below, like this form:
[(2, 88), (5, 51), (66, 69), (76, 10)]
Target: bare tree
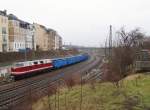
[(123, 54)]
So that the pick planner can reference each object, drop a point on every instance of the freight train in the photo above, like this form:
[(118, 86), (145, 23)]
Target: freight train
[(29, 68)]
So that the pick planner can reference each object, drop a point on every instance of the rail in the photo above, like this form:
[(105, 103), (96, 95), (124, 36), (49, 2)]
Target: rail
[(17, 92)]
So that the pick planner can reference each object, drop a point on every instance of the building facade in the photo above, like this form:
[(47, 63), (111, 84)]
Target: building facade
[(60, 42), (46, 39), (51, 39), (15, 40), (41, 37), (17, 35), (55, 40), (4, 40), (20, 34)]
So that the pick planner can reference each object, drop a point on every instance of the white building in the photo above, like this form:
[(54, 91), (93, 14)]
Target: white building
[(20, 34), (56, 42), (4, 40)]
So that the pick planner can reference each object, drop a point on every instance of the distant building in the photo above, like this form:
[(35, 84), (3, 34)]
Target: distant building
[(45, 38), (41, 37), (51, 39), (58, 42), (26, 33), (4, 40), (20, 34), (55, 40), (15, 40), (52, 33)]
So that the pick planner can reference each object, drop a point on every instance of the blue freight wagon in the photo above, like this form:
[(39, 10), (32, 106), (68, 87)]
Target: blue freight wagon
[(61, 62), (71, 60)]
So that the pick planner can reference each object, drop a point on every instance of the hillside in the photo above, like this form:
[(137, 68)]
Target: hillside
[(134, 94)]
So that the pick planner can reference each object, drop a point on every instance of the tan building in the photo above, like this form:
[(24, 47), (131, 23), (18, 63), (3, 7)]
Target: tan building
[(51, 39), (20, 34), (60, 42), (4, 40), (55, 40), (17, 35), (41, 37), (46, 39), (15, 40)]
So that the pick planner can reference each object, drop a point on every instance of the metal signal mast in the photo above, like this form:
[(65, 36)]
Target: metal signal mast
[(110, 41)]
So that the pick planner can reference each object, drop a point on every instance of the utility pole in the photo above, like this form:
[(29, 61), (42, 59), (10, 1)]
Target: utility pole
[(33, 40), (110, 42), (105, 48), (25, 47), (33, 43)]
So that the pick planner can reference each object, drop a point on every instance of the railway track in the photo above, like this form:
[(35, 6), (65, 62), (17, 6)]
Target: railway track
[(16, 92)]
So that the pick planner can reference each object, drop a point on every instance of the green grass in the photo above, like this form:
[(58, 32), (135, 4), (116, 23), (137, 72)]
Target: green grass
[(134, 94)]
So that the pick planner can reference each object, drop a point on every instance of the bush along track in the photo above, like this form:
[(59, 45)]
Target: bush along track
[(132, 94)]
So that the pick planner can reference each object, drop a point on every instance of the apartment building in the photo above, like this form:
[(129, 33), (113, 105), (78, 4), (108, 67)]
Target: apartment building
[(41, 37), (46, 39), (26, 33), (4, 40), (58, 42), (51, 39), (20, 34), (55, 40)]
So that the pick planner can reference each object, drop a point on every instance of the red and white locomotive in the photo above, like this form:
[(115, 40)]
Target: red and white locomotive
[(30, 68), (21, 68)]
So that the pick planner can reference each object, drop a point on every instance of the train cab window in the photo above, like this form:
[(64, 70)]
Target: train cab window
[(35, 63), (41, 62), (19, 64)]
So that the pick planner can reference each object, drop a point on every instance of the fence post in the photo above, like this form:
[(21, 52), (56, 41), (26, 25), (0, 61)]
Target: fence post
[(31, 96), (58, 93), (81, 95), (55, 97), (49, 100)]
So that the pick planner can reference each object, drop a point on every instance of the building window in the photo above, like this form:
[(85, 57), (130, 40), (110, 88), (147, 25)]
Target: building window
[(4, 38), (3, 30), (15, 45)]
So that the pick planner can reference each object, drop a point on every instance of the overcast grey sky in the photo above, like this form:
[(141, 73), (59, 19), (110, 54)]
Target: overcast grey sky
[(82, 22)]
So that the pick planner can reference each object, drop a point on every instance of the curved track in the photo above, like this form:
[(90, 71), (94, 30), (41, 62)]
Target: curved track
[(16, 92)]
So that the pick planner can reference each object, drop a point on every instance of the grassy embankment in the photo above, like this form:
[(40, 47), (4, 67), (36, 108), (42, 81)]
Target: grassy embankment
[(134, 94)]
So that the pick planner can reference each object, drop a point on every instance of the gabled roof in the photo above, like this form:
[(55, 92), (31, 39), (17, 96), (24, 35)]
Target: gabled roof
[(12, 17)]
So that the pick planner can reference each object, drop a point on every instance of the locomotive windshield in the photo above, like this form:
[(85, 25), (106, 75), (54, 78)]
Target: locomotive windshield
[(18, 64)]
